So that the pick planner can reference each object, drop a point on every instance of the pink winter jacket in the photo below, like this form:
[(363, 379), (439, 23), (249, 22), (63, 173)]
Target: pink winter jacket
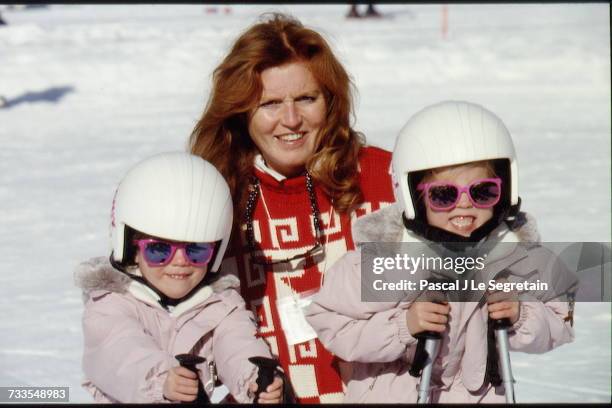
[(375, 338), (130, 340)]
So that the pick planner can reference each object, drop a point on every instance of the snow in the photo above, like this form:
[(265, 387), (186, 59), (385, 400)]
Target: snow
[(92, 89)]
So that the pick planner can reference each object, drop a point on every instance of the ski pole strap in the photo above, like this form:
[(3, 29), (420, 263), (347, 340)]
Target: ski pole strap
[(571, 297), (420, 354), (268, 369), (288, 393), (492, 371), (189, 361)]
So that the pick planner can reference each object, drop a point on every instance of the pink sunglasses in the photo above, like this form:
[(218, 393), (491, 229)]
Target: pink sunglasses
[(444, 195), (158, 252)]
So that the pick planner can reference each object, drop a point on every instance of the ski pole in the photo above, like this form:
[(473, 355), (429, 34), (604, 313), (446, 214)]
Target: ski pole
[(424, 357), (427, 351), (189, 361), (268, 368), (501, 336), (265, 375)]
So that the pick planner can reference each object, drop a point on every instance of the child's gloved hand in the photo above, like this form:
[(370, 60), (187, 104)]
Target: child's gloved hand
[(181, 385), (427, 316), (272, 395), (503, 305)]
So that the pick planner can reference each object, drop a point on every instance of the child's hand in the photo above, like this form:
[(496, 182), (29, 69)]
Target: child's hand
[(427, 316), (181, 385), (502, 305), (273, 393), (503, 309)]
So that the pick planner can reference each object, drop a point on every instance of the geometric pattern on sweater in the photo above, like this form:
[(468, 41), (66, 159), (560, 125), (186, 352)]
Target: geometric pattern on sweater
[(283, 227)]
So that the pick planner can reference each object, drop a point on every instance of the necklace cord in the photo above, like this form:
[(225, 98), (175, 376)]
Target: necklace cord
[(255, 187)]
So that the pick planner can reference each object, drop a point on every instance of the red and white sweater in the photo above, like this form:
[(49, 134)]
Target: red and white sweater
[(283, 227)]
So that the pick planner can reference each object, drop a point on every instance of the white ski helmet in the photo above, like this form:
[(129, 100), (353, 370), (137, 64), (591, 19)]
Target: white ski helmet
[(446, 134), (176, 196)]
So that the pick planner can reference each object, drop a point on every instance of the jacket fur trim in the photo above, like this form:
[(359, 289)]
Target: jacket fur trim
[(385, 225), (98, 274)]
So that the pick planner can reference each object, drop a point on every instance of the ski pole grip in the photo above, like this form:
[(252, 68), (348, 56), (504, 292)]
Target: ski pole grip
[(189, 361), (501, 323), (431, 334), (428, 335), (420, 355), (265, 375)]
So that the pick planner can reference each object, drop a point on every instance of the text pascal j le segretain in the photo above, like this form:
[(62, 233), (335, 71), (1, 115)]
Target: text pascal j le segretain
[(492, 285)]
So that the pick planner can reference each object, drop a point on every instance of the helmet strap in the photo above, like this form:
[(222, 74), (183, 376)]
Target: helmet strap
[(514, 212)]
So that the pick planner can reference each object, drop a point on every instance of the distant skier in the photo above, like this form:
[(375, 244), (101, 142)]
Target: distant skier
[(353, 13), (370, 11), (2, 21)]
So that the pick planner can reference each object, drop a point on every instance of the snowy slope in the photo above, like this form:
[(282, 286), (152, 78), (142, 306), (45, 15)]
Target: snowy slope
[(92, 89)]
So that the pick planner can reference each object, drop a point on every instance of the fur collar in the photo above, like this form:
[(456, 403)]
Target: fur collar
[(385, 225), (97, 274)]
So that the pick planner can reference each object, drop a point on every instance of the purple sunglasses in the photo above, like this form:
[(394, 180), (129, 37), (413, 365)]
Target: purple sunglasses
[(158, 252), (444, 195)]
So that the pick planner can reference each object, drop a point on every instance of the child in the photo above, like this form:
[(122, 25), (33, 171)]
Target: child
[(455, 179), (160, 295)]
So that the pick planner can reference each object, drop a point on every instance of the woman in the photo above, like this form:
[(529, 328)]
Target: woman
[(277, 127)]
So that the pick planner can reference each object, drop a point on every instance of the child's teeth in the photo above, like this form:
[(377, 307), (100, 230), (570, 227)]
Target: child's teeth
[(462, 221)]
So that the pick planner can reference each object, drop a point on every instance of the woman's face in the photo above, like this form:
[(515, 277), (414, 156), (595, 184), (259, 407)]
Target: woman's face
[(288, 118)]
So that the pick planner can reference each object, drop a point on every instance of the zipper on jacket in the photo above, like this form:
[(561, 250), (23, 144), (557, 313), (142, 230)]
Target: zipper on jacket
[(212, 372)]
